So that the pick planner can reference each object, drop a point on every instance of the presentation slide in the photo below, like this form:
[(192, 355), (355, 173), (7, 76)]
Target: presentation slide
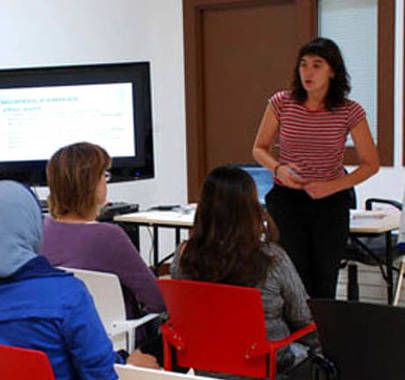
[(37, 121)]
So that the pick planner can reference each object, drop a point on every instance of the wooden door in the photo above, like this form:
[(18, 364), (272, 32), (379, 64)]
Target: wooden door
[(237, 53)]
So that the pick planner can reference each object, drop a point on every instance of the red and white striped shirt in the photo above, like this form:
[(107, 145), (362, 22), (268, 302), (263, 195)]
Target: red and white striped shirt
[(314, 140)]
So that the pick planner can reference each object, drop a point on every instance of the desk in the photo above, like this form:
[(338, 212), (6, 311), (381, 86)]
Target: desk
[(362, 223), (371, 223), (156, 219)]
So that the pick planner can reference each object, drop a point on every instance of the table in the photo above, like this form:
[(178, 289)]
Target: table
[(177, 220), (362, 223), (373, 222)]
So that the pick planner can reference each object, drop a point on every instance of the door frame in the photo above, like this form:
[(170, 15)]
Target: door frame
[(194, 77)]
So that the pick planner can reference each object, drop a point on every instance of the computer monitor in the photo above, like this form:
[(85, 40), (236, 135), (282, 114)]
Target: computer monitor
[(262, 177), (45, 108)]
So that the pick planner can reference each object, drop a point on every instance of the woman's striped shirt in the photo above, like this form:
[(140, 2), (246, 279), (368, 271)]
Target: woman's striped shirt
[(314, 140)]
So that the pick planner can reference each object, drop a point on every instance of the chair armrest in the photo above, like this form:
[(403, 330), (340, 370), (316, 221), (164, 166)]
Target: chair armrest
[(292, 337), (271, 347), (370, 201), (119, 327)]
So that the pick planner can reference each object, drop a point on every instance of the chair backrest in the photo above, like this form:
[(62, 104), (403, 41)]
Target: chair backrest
[(365, 341), (218, 325), (129, 372), (23, 364), (108, 298)]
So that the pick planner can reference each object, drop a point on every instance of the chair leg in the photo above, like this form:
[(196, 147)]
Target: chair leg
[(167, 355), (273, 366), (352, 283), (399, 283), (315, 373), (131, 336)]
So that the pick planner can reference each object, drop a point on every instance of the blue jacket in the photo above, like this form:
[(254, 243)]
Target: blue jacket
[(47, 309)]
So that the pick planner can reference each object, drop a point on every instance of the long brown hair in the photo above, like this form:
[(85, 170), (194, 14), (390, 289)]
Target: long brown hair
[(73, 174), (230, 229)]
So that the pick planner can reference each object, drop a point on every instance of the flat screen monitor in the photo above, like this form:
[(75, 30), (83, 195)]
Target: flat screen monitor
[(43, 109), (262, 177)]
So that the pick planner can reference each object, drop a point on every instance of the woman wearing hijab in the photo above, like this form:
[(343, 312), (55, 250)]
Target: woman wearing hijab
[(44, 308)]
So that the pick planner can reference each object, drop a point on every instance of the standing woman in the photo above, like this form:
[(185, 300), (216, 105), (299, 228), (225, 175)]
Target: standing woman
[(310, 199)]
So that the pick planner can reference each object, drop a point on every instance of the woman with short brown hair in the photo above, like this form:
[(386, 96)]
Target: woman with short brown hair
[(74, 173), (74, 239)]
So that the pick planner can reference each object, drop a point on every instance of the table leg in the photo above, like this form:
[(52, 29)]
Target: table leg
[(177, 236), (352, 283), (388, 251), (155, 245)]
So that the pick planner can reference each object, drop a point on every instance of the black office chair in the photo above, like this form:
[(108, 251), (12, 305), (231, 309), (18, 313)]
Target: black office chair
[(362, 341), (368, 249)]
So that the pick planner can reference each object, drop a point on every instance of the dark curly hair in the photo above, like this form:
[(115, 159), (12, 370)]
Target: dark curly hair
[(339, 86), (230, 230)]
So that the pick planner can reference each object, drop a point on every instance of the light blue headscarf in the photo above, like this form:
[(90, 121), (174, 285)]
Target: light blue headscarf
[(21, 228)]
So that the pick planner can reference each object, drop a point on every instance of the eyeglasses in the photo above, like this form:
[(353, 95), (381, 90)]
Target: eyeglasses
[(107, 175)]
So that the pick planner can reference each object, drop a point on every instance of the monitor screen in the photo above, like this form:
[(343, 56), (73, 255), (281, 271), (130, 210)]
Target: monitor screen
[(44, 109), (262, 177)]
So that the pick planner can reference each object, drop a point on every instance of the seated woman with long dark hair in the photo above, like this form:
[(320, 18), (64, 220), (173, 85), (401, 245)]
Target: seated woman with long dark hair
[(233, 242)]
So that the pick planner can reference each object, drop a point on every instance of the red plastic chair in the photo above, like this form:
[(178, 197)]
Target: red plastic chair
[(22, 364), (219, 328)]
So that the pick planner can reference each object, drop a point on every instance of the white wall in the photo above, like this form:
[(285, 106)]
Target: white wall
[(56, 32)]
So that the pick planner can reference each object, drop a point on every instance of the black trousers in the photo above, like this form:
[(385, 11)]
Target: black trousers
[(314, 234)]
